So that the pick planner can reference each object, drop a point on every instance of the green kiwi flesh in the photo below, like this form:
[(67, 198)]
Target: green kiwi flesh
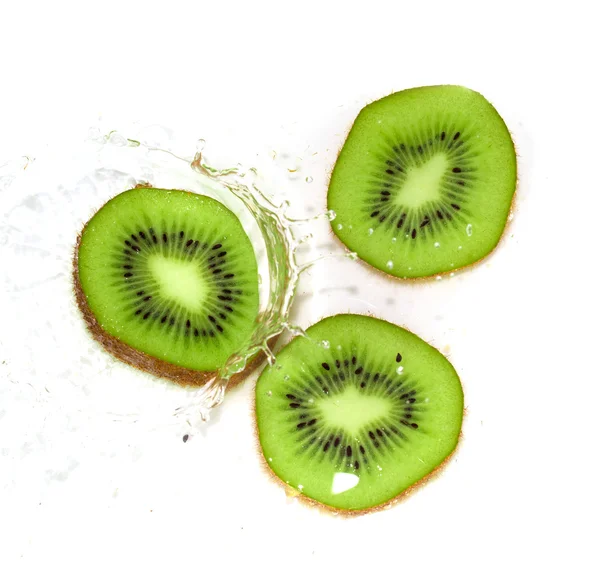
[(357, 412), (424, 181), (167, 280)]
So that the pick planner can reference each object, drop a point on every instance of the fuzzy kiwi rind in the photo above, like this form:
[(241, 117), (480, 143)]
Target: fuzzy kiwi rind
[(273, 381), (137, 358), (385, 142)]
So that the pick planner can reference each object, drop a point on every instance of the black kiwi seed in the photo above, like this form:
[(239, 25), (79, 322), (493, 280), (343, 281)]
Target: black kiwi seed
[(398, 358), (325, 366)]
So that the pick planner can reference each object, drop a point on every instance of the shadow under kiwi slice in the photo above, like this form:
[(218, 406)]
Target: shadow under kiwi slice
[(358, 412), (424, 182), (167, 281)]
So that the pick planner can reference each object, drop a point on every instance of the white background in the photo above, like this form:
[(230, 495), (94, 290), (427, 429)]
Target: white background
[(521, 329)]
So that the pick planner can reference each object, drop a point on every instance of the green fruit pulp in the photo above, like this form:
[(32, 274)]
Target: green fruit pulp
[(358, 412), (172, 274), (424, 182)]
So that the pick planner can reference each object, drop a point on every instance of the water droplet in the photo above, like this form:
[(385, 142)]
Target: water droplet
[(339, 347), (330, 214), (436, 245), (451, 274), (325, 344), (460, 247), (270, 459), (342, 482), (117, 139), (410, 267), (286, 377), (269, 393), (309, 179), (352, 255), (350, 227), (311, 401), (300, 487), (339, 226), (438, 278), (469, 230), (400, 369), (394, 239), (389, 264), (427, 399), (200, 144), (370, 231), (510, 216), (6, 181), (379, 467)]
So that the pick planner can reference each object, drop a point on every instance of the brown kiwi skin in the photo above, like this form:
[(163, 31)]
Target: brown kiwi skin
[(330, 510), (425, 279), (142, 361)]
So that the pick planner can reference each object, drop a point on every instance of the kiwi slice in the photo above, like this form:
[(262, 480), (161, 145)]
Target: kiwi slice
[(424, 182), (167, 281), (358, 412)]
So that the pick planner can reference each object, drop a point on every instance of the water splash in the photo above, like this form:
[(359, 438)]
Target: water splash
[(282, 237), (108, 165)]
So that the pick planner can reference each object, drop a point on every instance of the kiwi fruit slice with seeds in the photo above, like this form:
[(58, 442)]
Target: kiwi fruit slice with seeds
[(167, 281), (424, 181), (357, 412)]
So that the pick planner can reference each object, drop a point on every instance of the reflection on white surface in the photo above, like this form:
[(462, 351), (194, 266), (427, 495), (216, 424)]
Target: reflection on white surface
[(342, 482)]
